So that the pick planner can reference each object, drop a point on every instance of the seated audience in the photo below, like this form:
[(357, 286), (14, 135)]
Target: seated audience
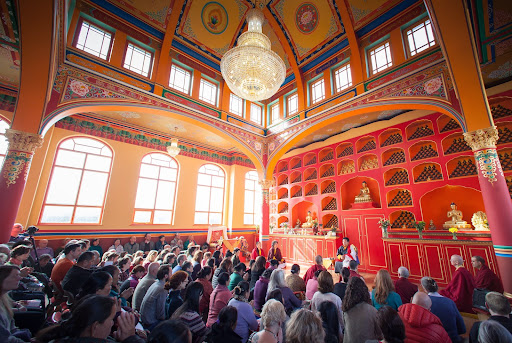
[(260, 289), (294, 281), (272, 318), (461, 286), (445, 309), (485, 277), (275, 254), (60, 249), (117, 247), (147, 245), (493, 332), (223, 331), (17, 233), (304, 327), (257, 251), (330, 320), (78, 273), (196, 263), (312, 285), (217, 255), (45, 265), (124, 268), (143, 285), (310, 273), (359, 316), (42, 248), (161, 243), (236, 256), (237, 276), (9, 280), (182, 258), (176, 284), (203, 277), (170, 331), (188, 312), (177, 242), (95, 246), (114, 292), (219, 298), (152, 310), (226, 266), (324, 293), (353, 269), (340, 287), (71, 252), (18, 258), (189, 241), (132, 282), (256, 270), (421, 325), (99, 283), (150, 258), (131, 247), (246, 321), (384, 292), (404, 287), (187, 267), (499, 308), (206, 256), (390, 326)]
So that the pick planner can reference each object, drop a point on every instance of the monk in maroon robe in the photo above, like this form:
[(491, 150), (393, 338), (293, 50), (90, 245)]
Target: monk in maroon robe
[(275, 253), (485, 278), (461, 287), (311, 271)]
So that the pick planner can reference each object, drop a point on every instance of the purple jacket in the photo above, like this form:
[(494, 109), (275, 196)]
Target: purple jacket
[(291, 302), (260, 292)]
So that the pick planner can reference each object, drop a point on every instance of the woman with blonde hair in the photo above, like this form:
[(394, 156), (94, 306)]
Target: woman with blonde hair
[(272, 317), (196, 263), (304, 326), (152, 256), (384, 292), (207, 255)]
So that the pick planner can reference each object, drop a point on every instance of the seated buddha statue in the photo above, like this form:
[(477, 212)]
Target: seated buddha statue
[(364, 194), (309, 221), (456, 219)]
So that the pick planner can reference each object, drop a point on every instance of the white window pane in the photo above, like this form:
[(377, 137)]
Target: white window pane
[(142, 217), (249, 184), (203, 198), (4, 144), (217, 181), (63, 186), (57, 214), (162, 217), (165, 195), (100, 163), (179, 79), (215, 218), (201, 218), (249, 202), (93, 188), (248, 219), (70, 159), (205, 180), (91, 215), (216, 199), (168, 174), (148, 170), (420, 37), (146, 193)]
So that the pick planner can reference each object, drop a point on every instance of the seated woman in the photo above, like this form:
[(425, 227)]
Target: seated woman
[(150, 258), (95, 245), (325, 293), (390, 325), (312, 286), (330, 320), (246, 321), (226, 266), (384, 292), (260, 289), (294, 281), (219, 298), (291, 302), (99, 283), (223, 331), (176, 283), (275, 254), (304, 326), (114, 292), (272, 317), (170, 331), (256, 270), (257, 251), (117, 246), (196, 263), (124, 266), (204, 276), (161, 243), (188, 313), (9, 280), (237, 276)]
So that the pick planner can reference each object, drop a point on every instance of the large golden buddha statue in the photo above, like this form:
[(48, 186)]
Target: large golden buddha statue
[(456, 219), (364, 194)]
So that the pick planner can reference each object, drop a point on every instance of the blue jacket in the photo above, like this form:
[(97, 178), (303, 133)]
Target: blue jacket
[(447, 311)]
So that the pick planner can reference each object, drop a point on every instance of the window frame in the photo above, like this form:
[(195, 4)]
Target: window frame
[(410, 27), (174, 196), (272, 119), (260, 121), (209, 200), (233, 97), (81, 20), (152, 59), (255, 197), (369, 56), (312, 89), (190, 73), (288, 98), (216, 91), (52, 174), (348, 68)]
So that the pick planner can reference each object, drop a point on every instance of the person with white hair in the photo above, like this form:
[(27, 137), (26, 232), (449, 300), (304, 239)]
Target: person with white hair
[(404, 287), (310, 273), (277, 281), (461, 287)]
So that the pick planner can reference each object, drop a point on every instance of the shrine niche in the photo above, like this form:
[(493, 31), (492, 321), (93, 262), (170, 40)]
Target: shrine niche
[(310, 174), (310, 159), (282, 193), (501, 107), (355, 195), (399, 197), (423, 150), (390, 137), (505, 156), (295, 163), (344, 149), (366, 143), (393, 156), (504, 132), (295, 191), (282, 166), (402, 220), (295, 177), (447, 124), (436, 203), (326, 170), (300, 212), (427, 172), (368, 162), (311, 189), (326, 155), (462, 166), (329, 204), (282, 207), (419, 129), (396, 176), (346, 167), (454, 143)]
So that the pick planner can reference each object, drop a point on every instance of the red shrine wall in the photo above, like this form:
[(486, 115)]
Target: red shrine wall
[(415, 167)]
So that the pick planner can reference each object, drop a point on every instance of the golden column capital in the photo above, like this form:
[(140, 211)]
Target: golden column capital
[(266, 184), (482, 139), (23, 141)]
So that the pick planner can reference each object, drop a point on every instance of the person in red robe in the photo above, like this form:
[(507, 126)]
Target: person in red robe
[(404, 287), (257, 251), (461, 287), (485, 278), (275, 254), (310, 273)]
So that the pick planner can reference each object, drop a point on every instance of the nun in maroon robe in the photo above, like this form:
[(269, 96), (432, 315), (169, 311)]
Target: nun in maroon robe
[(460, 289)]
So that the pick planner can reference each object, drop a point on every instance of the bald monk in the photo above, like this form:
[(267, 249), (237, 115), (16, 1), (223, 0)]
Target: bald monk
[(485, 278), (461, 287)]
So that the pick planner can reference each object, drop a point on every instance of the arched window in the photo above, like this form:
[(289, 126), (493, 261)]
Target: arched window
[(210, 195), (156, 191), (252, 200), (78, 182), (4, 144)]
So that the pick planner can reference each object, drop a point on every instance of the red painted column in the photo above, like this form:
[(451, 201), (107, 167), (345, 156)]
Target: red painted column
[(498, 205), (265, 213), (14, 176)]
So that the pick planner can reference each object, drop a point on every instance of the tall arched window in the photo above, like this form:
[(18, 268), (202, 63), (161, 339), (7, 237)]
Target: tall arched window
[(252, 200), (4, 144), (210, 195), (78, 182), (156, 192)]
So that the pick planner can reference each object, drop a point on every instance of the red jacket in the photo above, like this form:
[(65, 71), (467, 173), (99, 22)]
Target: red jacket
[(421, 326), (255, 253), (405, 289), (310, 273)]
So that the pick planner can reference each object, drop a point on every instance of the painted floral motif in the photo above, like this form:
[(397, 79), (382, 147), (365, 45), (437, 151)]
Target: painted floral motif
[(488, 162), (257, 146), (16, 162), (79, 87), (214, 17), (306, 17), (433, 85)]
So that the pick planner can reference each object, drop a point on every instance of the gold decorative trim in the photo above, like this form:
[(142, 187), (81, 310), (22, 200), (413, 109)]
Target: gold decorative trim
[(23, 141), (482, 139), (16, 162), (445, 241)]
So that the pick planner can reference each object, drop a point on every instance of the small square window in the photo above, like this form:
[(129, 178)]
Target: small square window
[(317, 91), (420, 37), (380, 58), (94, 40), (236, 105), (208, 92), (180, 79), (275, 113), (343, 77), (256, 113), (138, 60), (293, 104)]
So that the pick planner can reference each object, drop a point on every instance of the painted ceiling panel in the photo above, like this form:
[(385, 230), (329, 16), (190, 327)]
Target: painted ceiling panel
[(153, 12), (364, 11)]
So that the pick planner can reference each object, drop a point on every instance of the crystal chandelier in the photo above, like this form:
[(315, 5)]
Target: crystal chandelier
[(251, 70), (173, 149)]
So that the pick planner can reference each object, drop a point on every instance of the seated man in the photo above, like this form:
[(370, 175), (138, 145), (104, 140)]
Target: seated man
[(461, 287), (485, 278), (45, 265), (71, 252), (79, 273), (144, 284), (42, 249), (17, 233), (404, 287), (353, 270), (275, 254), (319, 265), (347, 252), (421, 325), (132, 246), (499, 308)]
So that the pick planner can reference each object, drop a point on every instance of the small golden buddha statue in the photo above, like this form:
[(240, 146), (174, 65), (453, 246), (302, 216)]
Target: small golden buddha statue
[(456, 219), (309, 221), (364, 194)]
